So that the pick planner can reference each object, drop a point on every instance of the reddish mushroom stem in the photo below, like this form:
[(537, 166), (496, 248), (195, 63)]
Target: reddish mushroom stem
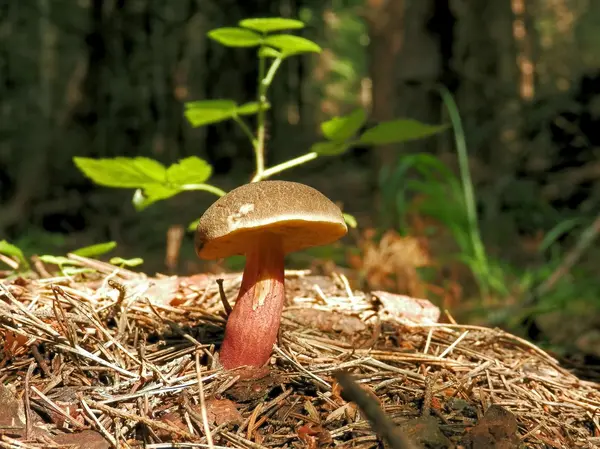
[(253, 324)]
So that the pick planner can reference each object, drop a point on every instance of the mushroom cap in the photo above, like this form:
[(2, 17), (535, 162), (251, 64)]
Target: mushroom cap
[(300, 214)]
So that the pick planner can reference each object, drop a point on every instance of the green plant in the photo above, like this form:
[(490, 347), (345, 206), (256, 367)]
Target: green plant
[(153, 181), (66, 266), (449, 200)]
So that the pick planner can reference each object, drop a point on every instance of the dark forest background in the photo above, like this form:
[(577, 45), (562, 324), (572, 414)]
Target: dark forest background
[(105, 78)]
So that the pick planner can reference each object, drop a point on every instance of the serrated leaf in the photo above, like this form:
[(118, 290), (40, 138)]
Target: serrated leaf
[(330, 148), (343, 128), (268, 52), (142, 198), (251, 108), (268, 25), (235, 37), (95, 250), (401, 130), (57, 260), (289, 44), (191, 170), (127, 262), (350, 220), (11, 250), (120, 172), (200, 113)]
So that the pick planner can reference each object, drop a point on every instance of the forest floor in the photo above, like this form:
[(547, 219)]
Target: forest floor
[(120, 359)]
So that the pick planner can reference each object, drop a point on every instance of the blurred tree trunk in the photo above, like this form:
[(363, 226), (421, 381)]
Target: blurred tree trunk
[(34, 140), (488, 95), (385, 21), (405, 64)]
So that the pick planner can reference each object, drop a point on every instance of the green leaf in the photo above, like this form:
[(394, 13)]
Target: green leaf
[(350, 220), (268, 52), (289, 44), (151, 168), (57, 260), (201, 113), (191, 170), (72, 271), (251, 108), (11, 250), (330, 148), (268, 25), (142, 198), (401, 130), (95, 250), (121, 172), (193, 225), (342, 128), (235, 37), (557, 231), (127, 262)]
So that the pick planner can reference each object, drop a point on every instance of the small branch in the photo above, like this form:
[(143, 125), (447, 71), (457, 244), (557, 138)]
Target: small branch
[(285, 166), (246, 130), (271, 73), (205, 187), (259, 149), (264, 82), (224, 300), (380, 423)]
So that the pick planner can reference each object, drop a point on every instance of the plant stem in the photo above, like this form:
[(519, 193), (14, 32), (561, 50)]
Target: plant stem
[(259, 148), (246, 130), (205, 187), (272, 71), (264, 82), (469, 195), (285, 166)]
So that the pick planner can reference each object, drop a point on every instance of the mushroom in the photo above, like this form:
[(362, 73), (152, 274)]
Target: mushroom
[(263, 221)]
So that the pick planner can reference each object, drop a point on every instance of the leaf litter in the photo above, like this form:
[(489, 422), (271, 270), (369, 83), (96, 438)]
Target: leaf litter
[(115, 358)]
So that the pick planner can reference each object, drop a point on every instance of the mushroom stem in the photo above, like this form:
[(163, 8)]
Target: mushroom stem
[(253, 324)]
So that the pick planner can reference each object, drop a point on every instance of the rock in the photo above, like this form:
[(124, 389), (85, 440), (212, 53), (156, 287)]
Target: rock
[(497, 429)]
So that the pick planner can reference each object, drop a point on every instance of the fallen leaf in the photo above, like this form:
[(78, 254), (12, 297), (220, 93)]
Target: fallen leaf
[(13, 342), (86, 439), (497, 429), (221, 411), (327, 321), (254, 383), (426, 432), (313, 435), (406, 309), (12, 411)]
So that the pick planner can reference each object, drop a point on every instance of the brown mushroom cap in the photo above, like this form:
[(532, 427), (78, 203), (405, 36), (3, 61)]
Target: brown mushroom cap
[(303, 216)]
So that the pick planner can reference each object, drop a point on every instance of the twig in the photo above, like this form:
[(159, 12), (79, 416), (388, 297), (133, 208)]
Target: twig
[(223, 297), (209, 439), (28, 416), (380, 423), (141, 419)]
